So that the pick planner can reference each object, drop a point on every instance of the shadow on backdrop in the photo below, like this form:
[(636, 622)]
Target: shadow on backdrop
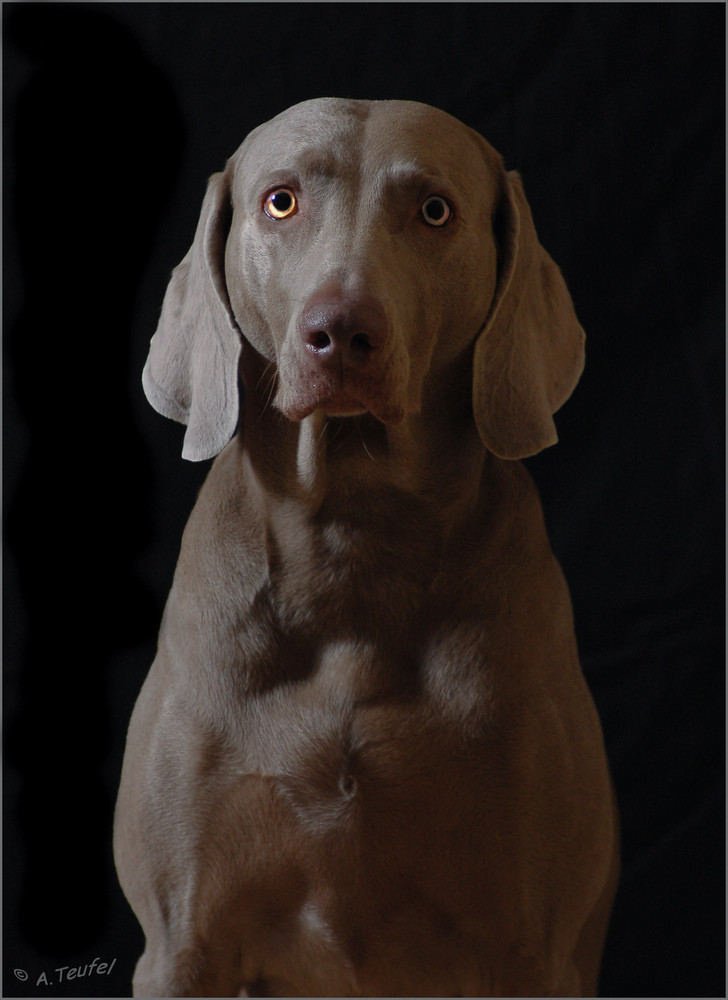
[(98, 136)]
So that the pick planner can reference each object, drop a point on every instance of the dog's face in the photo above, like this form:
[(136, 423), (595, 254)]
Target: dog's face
[(361, 254), (362, 250)]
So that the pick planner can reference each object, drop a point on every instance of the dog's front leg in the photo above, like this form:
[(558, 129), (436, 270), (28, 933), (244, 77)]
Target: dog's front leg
[(202, 970)]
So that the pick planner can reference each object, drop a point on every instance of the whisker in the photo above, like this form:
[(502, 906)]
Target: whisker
[(322, 432), (270, 370), (267, 375), (264, 373), (363, 441), (337, 431)]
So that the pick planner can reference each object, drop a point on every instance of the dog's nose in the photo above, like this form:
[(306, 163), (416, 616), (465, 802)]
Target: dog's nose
[(342, 330)]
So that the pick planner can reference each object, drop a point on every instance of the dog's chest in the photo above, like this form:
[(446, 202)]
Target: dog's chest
[(366, 746), (377, 809), (362, 685), (363, 715)]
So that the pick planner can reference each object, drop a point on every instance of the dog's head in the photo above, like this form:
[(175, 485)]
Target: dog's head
[(361, 249)]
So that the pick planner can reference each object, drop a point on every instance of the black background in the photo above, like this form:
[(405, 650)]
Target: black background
[(115, 115)]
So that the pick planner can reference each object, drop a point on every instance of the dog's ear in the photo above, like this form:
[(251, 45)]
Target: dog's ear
[(191, 374), (530, 353)]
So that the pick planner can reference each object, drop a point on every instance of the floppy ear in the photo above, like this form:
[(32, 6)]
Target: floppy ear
[(191, 374), (530, 354)]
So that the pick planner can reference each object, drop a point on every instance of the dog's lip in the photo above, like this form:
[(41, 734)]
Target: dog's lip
[(343, 406), (349, 407), (340, 398)]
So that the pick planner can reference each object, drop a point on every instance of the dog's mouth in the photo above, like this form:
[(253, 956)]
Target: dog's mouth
[(339, 397), (343, 406)]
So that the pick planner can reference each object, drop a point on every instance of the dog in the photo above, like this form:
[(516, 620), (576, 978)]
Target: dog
[(365, 761)]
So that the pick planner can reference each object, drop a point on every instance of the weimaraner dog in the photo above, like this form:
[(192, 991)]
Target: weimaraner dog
[(365, 761)]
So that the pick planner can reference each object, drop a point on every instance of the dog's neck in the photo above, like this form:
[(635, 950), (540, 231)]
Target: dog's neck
[(435, 455), (322, 465), (370, 509)]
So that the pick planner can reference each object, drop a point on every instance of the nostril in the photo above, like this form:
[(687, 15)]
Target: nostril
[(339, 332), (323, 342), (360, 342), (360, 346), (319, 341)]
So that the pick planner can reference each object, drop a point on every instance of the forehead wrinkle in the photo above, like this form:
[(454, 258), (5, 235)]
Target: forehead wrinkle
[(317, 163), (410, 174), (306, 166), (406, 171)]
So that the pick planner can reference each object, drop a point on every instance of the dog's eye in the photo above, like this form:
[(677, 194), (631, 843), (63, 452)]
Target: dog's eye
[(280, 204), (436, 211)]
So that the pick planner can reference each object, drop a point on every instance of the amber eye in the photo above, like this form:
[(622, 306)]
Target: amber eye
[(436, 211), (280, 204)]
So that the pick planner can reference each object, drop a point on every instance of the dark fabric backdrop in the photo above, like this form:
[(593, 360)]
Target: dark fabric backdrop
[(115, 114)]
